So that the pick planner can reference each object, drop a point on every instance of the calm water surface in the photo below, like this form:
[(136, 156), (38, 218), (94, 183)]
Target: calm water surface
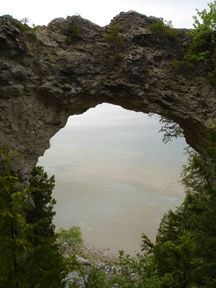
[(114, 176)]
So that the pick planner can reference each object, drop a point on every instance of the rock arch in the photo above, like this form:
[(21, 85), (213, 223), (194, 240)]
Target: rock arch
[(43, 80)]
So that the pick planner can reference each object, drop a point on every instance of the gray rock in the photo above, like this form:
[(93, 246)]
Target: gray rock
[(43, 80)]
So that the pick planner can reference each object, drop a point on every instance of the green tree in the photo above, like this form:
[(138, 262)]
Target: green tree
[(115, 43), (14, 231), (114, 36), (23, 264), (41, 191), (185, 246), (203, 42)]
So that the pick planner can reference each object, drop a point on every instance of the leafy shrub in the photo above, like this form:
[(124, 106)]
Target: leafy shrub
[(202, 35), (203, 42), (116, 43), (73, 35), (69, 240), (114, 36), (164, 28)]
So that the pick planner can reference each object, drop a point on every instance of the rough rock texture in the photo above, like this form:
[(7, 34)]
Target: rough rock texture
[(43, 80)]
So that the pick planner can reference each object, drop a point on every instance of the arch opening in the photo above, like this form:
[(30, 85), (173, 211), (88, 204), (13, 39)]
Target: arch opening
[(114, 176)]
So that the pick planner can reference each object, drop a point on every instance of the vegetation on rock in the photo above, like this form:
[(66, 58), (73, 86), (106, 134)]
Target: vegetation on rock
[(116, 43), (73, 34), (165, 28), (114, 36), (23, 25)]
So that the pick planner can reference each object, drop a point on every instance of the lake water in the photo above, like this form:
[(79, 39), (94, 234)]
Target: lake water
[(115, 178)]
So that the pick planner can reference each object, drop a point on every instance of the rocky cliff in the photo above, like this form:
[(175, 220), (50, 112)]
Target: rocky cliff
[(43, 80)]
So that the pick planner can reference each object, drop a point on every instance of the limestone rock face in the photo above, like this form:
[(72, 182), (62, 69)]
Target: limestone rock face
[(43, 80)]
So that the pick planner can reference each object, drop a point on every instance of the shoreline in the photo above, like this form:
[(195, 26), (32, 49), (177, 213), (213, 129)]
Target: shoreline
[(113, 213), (98, 256)]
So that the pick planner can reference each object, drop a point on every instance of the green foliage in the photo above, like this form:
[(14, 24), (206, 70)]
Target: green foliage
[(83, 276), (147, 246), (22, 263), (184, 254), (41, 192), (23, 25), (132, 270), (69, 240), (170, 128), (112, 56), (13, 241), (139, 271), (199, 49), (186, 239), (116, 43), (95, 278), (180, 258), (185, 249), (117, 57), (73, 35), (203, 41), (114, 36), (165, 29)]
